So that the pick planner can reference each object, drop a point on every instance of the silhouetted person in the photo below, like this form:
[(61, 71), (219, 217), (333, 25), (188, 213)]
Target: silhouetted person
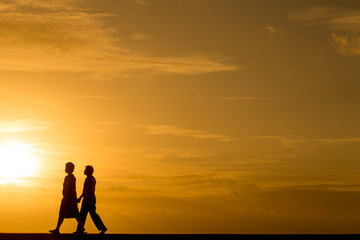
[(69, 207), (89, 201)]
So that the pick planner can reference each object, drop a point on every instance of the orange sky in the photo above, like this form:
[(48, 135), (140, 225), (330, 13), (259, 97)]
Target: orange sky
[(199, 116)]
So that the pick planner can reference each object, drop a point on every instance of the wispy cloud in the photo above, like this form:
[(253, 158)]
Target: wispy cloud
[(176, 131), (274, 31), (249, 95), (244, 98), (141, 2), (334, 19), (287, 141), (24, 125), (38, 36), (348, 45), (290, 140), (343, 23), (241, 97), (109, 123), (95, 97), (339, 140), (190, 65)]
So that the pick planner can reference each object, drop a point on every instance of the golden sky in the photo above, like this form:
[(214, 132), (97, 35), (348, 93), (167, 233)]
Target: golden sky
[(199, 116)]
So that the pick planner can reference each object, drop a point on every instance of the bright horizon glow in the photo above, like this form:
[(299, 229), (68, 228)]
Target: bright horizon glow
[(17, 160)]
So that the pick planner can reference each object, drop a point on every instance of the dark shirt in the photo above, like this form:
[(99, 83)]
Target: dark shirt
[(89, 190)]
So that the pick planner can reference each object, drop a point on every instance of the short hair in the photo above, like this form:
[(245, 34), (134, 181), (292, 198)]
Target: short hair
[(90, 169), (70, 166)]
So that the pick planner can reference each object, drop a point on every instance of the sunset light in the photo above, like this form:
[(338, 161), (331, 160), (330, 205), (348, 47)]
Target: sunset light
[(197, 116), (17, 160)]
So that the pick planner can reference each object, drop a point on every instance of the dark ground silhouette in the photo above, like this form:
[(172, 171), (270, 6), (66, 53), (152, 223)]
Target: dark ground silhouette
[(36, 236)]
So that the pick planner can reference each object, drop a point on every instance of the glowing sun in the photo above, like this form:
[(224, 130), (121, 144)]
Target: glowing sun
[(17, 160)]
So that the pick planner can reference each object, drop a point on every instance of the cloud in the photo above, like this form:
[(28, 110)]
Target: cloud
[(274, 31), (251, 96), (343, 23), (318, 186), (39, 36), (108, 123), (338, 140), (96, 97), (334, 19), (290, 140), (345, 44), (244, 98), (189, 65), (141, 2), (287, 141), (176, 131), (24, 125)]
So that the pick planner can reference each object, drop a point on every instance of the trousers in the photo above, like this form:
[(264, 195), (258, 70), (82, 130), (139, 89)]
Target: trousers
[(91, 208)]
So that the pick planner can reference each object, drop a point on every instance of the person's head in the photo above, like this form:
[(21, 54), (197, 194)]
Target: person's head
[(69, 167), (89, 170)]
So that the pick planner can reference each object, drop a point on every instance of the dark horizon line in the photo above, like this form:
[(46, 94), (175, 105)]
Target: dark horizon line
[(182, 234), (124, 233)]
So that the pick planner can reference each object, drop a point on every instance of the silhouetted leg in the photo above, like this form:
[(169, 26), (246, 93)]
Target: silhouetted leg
[(96, 219), (80, 227), (83, 214), (60, 221)]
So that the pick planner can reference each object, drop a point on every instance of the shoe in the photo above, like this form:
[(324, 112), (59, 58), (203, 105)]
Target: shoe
[(54, 231), (103, 230)]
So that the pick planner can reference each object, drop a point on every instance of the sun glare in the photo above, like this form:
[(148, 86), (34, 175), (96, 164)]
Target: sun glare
[(17, 160)]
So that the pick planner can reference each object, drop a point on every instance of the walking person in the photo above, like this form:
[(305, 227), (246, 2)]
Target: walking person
[(69, 207), (89, 201)]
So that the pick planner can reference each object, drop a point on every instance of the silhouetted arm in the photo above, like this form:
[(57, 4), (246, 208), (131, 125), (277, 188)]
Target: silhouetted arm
[(79, 199)]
